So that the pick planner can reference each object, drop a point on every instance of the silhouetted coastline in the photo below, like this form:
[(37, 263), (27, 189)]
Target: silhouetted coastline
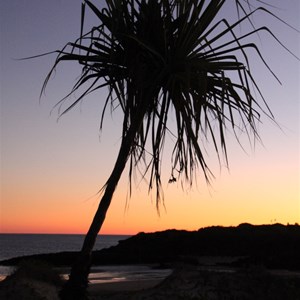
[(274, 246)]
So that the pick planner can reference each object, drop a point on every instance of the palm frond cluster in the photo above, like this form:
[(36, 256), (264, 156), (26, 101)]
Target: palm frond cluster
[(163, 56)]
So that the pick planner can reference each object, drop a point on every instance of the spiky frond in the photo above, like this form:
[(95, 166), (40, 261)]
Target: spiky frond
[(158, 56)]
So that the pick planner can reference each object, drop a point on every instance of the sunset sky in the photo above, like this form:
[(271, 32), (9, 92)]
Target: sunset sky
[(52, 169)]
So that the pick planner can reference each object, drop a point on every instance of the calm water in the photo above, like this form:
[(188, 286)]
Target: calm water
[(13, 245)]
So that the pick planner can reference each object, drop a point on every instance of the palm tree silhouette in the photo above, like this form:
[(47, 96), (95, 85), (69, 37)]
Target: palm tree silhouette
[(157, 58)]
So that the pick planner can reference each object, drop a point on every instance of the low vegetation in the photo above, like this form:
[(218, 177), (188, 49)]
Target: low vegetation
[(31, 280)]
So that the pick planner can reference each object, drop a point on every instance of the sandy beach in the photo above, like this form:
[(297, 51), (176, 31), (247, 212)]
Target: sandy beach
[(98, 290), (186, 282), (190, 282), (32, 289), (29, 284)]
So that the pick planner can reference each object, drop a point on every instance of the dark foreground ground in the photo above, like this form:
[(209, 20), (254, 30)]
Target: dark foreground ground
[(185, 283), (189, 283)]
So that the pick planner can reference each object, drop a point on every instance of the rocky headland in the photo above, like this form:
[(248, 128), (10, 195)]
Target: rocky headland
[(271, 246)]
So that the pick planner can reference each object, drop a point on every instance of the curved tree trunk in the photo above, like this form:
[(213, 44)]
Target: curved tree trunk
[(77, 284)]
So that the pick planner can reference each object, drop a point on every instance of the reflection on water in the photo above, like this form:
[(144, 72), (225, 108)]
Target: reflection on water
[(105, 274), (126, 273), (108, 274)]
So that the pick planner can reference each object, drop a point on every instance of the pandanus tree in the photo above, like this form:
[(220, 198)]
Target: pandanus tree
[(158, 57)]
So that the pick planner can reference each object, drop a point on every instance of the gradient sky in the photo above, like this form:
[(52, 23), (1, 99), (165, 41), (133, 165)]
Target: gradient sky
[(51, 170)]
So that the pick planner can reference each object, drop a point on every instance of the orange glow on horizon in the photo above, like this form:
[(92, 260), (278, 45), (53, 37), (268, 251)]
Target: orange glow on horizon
[(256, 191), (187, 211)]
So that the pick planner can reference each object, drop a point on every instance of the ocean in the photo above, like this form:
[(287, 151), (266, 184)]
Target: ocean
[(15, 245)]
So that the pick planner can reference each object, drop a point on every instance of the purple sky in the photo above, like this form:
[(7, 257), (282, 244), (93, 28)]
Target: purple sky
[(40, 155)]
